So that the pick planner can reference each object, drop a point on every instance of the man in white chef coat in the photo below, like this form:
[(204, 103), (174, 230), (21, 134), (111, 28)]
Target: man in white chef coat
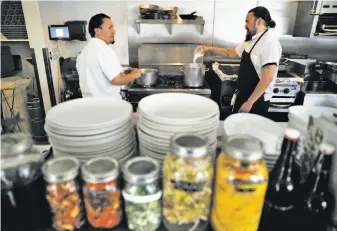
[(100, 72), (260, 55)]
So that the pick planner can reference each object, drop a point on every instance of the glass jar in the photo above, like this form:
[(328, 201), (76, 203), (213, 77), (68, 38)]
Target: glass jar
[(142, 194), (101, 192), (63, 192), (240, 186), (22, 185), (187, 184)]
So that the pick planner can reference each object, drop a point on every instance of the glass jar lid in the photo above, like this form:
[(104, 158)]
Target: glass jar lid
[(244, 147), (189, 145), (141, 170), (100, 170), (60, 169)]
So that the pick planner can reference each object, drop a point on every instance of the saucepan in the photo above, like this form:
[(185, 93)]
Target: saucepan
[(194, 74), (148, 77), (148, 9)]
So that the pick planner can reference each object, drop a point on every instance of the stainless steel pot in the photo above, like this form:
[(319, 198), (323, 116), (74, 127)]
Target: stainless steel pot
[(194, 74), (148, 77)]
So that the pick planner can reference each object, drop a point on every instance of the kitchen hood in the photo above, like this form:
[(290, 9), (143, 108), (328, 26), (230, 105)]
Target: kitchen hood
[(316, 18)]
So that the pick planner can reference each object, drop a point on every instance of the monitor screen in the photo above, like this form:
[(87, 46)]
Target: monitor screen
[(58, 32)]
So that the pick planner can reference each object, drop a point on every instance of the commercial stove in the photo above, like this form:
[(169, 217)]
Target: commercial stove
[(164, 84)]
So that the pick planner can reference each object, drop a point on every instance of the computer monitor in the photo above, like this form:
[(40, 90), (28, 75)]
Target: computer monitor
[(58, 32)]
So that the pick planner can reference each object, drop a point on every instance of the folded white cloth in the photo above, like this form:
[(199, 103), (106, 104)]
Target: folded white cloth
[(222, 76)]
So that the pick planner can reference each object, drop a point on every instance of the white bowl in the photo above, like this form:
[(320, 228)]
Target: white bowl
[(268, 131)]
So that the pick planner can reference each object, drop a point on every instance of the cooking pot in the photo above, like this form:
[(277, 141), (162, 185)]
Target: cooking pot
[(148, 77), (194, 74), (148, 9)]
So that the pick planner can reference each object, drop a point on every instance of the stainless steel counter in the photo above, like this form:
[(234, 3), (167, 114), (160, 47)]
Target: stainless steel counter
[(203, 91)]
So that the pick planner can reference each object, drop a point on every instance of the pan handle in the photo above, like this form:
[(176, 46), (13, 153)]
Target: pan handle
[(194, 12)]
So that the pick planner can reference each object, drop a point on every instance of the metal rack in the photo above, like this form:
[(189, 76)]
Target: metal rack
[(169, 22)]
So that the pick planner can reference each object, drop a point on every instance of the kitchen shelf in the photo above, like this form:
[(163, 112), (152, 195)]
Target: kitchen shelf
[(14, 40), (169, 22)]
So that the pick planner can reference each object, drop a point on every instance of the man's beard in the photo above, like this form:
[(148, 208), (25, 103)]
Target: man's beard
[(112, 42), (249, 35)]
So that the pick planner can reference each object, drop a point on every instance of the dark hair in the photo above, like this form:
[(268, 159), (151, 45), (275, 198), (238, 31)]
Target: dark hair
[(96, 22), (262, 12)]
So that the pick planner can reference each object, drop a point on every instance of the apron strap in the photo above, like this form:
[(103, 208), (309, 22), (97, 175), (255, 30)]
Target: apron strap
[(257, 41)]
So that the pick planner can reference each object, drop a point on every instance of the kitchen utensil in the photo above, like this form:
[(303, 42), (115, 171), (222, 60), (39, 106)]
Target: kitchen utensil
[(169, 10), (148, 77), (148, 9), (194, 74), (190, 16)]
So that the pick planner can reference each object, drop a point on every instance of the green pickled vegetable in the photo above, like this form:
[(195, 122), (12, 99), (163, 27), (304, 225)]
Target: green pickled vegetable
[(143, 207)]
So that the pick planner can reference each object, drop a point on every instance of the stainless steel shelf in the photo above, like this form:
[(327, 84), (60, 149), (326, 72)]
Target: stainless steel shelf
[(169, 22)]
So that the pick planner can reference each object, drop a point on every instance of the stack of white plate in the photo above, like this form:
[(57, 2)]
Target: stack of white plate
[(163, 115), (299, 116), (266, 130), (91, 127)]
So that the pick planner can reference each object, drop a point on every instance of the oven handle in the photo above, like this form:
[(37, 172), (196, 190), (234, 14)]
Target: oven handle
[(280, 105)]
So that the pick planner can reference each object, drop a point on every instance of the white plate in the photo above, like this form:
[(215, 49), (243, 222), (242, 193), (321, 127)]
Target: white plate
[(268, 131), (302, 113), (89, 112), (177, 107)]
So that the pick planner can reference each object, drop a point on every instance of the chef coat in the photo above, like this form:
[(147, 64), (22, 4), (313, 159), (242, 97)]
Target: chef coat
[(268, 50), (97, 65)]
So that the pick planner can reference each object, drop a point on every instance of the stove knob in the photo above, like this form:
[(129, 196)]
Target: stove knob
[(286, 91), (276, 90)]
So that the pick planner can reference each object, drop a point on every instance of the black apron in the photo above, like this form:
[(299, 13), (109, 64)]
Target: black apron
[(247, 82)]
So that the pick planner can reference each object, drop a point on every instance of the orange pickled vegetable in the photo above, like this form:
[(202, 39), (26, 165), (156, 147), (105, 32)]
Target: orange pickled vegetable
[(65, 203), (102, 201)]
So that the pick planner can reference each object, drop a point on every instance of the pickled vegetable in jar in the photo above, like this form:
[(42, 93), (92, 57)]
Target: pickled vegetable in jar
[(101, 192), (63, 193), (187, 184), (142, 194), (240, 187)]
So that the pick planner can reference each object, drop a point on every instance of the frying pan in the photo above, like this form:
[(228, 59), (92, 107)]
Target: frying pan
[(190, 16)]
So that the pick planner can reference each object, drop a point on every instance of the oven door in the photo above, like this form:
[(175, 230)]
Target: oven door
[(281, 104)]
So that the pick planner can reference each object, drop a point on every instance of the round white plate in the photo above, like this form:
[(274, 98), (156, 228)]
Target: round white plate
[(302, 113), (90, 112), (268, 131), (177, 107)]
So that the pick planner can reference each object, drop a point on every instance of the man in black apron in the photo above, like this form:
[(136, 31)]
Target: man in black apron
[(250, 95)]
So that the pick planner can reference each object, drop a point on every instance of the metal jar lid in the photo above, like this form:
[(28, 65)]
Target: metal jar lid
[(189, 145), (60, 169), (15, 143), (141, 170), (244, 147), (100, 170)]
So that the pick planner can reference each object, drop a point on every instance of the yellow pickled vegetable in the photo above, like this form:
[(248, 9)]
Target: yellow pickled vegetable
[(187, 188), (239, 194)]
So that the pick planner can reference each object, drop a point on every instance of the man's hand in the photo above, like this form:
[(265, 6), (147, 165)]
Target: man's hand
[(202, 49), (136, 73), (246, 107)]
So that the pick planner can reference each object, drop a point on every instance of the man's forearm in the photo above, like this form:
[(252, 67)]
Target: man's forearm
[(227, 52), (123, 79)]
